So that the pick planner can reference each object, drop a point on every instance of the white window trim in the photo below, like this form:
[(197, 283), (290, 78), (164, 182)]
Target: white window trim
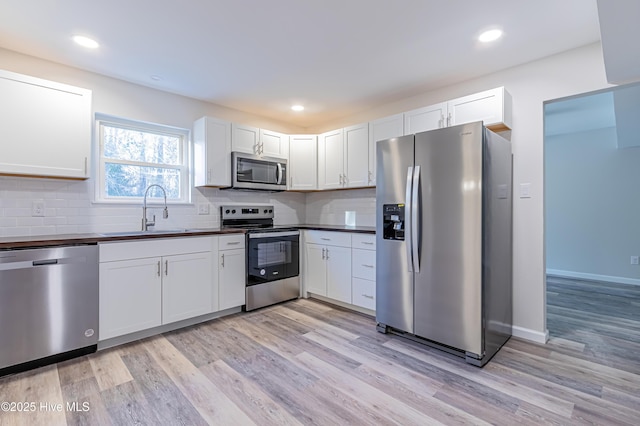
[(99, 167)]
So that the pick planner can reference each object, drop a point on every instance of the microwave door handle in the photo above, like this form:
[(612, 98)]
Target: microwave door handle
[(279, 173)]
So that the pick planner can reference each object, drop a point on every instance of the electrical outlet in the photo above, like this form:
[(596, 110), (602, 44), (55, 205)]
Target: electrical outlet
[(37, 208), (203, 208), (635, 260)]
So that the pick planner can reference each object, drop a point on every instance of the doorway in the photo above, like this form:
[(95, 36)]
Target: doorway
[(592, 223)]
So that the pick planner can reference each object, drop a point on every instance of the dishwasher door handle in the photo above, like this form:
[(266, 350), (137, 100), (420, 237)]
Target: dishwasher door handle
[(45, 262)]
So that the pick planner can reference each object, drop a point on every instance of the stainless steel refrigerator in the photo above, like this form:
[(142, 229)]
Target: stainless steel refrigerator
[(443, 231)]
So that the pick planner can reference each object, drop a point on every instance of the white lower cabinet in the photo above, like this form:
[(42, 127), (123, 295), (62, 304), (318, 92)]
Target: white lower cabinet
[(130, 297), (363, 267), (147, 283), (341, 266), (186, 286), (364, 293), (328, 264), (231, 271), (339, 273)]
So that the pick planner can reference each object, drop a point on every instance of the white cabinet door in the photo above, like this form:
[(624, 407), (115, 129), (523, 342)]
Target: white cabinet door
[(338, 261), (245, 139), (274, 144), (381, 129), (425, 118), (212, 152), (356, 155), (331, 160), (231, 278), (303, 162), (316, 269), (45, 127), (187, 286), (493, 107), (130, 296)]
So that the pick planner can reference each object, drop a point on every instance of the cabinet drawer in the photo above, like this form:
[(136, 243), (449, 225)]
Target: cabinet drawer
[(363, 293), (363, 264), (233, 241), (363, 241), (341, 239)]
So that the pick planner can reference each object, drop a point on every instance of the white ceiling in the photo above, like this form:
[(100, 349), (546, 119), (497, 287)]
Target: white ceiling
[(337, 57)]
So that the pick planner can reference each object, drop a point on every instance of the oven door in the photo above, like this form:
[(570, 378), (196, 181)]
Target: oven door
[(272, 256)]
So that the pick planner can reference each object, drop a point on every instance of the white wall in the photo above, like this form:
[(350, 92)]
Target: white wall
[(569, 73), (592, 185)]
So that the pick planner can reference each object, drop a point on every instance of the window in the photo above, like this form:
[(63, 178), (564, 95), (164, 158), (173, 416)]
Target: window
[(133, 155)]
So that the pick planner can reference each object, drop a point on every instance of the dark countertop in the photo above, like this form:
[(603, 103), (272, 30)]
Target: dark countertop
[(35, 241), (339, 228)]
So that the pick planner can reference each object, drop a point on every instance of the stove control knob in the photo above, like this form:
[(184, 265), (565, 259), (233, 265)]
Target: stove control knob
[(265, 211), (233, 211), (227, 211), (270, 211)]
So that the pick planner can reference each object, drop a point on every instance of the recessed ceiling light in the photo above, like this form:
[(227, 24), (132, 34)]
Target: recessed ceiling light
[(155, 77), (297, 108), (86, 42), (490, 35)]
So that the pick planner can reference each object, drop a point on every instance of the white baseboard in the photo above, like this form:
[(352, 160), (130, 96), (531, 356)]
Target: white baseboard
[(593, 277), (528, 334)]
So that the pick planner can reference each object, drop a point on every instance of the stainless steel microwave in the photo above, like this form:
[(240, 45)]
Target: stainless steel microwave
[(261, 173)]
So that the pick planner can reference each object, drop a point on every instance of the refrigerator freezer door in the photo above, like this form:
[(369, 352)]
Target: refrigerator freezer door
[(394, 281), (448, 288)]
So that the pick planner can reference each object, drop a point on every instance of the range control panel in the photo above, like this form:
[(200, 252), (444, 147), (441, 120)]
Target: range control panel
[(393, 222), (246, 212)]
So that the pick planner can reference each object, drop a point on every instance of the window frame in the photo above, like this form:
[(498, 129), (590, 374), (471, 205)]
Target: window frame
[(185, 168)]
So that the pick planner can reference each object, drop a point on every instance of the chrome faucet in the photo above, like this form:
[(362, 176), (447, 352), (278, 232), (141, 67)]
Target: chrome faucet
[(165, 213)]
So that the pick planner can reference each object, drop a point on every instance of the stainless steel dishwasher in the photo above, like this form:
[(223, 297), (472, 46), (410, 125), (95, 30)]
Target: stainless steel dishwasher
[(48, 305)]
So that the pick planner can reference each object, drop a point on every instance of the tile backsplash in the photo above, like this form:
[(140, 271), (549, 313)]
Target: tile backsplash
[(338, 207), (69, 208)]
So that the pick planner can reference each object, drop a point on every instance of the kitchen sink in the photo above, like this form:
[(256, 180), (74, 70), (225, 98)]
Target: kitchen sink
[(151, 232)]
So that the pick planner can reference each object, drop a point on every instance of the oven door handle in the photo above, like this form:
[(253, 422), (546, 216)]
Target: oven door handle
[(273, 234)]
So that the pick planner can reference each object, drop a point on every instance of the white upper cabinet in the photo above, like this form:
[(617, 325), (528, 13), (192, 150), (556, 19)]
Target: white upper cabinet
[(356, 156), (245, 139), (425, 118), (303, 162), (493, 107), (381, 129), (252, 140), (212, 152), (331, 160), (343, 158), (45, 127), (274, 144)]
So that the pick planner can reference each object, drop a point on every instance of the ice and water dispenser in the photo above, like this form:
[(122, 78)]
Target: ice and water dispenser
[(393, 222)]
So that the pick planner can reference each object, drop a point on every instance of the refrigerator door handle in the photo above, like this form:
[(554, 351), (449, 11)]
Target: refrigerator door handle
[(415, 217), (407, 218)]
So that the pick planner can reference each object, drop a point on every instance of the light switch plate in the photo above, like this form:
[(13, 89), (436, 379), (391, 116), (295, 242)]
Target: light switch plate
[(525, 190), (203, 208)]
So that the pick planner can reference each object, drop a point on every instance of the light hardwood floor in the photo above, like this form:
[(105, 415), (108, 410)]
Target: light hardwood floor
[(306, 362)]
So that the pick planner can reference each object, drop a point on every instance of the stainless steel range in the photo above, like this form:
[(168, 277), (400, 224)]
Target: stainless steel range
[(273, 255)]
